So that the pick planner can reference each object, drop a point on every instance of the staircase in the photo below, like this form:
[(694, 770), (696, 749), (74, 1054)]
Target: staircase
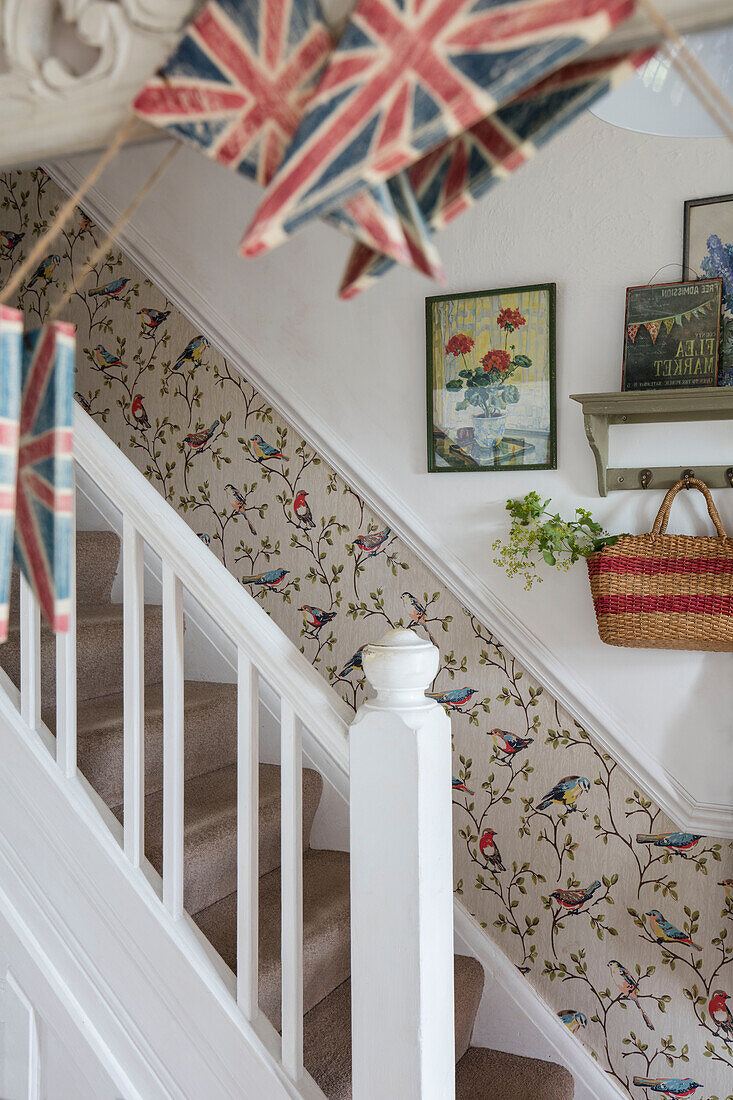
[(208, 800)]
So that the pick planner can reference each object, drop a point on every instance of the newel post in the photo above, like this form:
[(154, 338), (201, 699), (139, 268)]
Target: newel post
[(401, 880)]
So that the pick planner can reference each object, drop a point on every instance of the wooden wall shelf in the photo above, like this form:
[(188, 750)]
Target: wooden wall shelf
[(653, 407)]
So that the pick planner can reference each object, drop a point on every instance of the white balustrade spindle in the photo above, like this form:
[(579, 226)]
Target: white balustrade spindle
[(401, 879), (30, 655), (134, 692), (247, 835), (66, 671), (291, 889), (173, 764)]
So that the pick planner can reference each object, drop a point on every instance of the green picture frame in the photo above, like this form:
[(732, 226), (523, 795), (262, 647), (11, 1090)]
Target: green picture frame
[(490, 367)]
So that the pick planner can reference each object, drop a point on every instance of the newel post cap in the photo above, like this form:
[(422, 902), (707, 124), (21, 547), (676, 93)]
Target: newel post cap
[(401, 667)]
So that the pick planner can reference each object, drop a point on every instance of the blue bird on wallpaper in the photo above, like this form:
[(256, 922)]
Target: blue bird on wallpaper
[(205, 538), (452, 699), (510, 743), (573, 1019), (315, 618), (198, 440), (566, 792), (459, 785), (271, 579), (354, 662), (45, 270), (265, 450), (83, 401), (666, 932), (673, 1087), (370, 543), (109, 290), (675, 842), (9, 240), (106, 359), (192, 352), (628, 987), (152, 318)]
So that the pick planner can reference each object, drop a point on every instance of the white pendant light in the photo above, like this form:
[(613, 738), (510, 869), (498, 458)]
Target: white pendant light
[(657, 100)]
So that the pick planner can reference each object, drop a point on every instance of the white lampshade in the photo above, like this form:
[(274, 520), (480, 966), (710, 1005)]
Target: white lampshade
[(657, 100)]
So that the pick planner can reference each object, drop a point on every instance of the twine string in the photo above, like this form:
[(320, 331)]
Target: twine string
[(117, 228), (66, 209)]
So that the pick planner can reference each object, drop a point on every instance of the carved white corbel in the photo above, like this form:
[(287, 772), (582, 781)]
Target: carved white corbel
[(69, 69)]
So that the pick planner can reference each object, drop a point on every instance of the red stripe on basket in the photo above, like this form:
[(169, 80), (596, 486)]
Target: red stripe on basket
[(654, 567), (710, 604)]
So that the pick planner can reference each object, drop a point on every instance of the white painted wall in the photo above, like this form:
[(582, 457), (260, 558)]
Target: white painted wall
[(599, 210)]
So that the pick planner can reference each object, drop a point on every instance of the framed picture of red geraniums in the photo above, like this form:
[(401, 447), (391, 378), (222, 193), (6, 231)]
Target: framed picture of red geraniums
[(491, 380)]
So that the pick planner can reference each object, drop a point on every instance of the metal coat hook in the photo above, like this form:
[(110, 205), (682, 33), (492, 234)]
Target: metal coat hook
[(645, 477), (688, 476)]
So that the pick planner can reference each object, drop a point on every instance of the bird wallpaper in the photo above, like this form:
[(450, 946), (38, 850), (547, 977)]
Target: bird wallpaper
[(622, 922)]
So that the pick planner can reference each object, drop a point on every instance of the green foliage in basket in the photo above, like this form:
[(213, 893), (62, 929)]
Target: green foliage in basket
[(537, 534)]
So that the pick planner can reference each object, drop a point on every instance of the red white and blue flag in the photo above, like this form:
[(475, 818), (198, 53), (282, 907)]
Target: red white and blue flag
[(451, 178), (388, 135), (409, 75), (237, 87), (11, 343), (44, 503)]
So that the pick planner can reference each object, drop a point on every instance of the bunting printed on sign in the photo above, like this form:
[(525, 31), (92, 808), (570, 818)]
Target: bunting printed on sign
[(406, 76), (44, 503), (654, 325), (450, 179), (11, 342), (237, 86)]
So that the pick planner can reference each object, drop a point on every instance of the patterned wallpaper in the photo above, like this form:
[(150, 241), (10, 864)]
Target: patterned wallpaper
[(624, 926)]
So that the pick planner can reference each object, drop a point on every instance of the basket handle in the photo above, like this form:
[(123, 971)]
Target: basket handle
[(660, 523)]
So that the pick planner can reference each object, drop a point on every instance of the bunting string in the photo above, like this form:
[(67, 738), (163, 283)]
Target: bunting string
[(111, 236), (67, 208)]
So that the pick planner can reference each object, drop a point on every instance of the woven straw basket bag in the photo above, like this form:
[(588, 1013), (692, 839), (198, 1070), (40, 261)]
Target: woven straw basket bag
[(661, 591)]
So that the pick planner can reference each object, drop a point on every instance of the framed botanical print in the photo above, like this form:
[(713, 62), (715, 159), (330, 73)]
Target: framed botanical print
[(491, 380), (708, 253)]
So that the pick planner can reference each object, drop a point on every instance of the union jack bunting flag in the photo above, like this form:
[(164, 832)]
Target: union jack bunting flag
[(11, 342), (408, 75), (237, 86), (45, 476), (239, 81), (452, 177)]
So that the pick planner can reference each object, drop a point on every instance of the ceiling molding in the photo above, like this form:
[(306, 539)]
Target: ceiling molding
[(71, 91), (472, 590)]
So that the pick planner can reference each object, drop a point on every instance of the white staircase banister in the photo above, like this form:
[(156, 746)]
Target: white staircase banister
[(238, 614), (395, 756)]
